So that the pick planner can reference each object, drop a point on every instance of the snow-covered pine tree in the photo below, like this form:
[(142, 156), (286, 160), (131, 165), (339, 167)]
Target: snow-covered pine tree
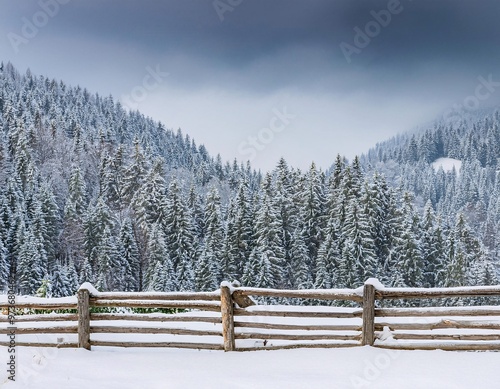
[(429, 247), (4, 267), (150, 201), (59, 282), (179, 238), (209, 272), (269, 241), (239, 236), (313, 213), (299, 273), (76, 202), (31, 257), (258, 270), (96, 221), (129, 255), (109, 272), (86, 274), (135, 173), (326, 275), (358, 243)]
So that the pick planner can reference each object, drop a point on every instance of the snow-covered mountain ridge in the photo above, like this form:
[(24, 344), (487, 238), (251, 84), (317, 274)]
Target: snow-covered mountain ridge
[(91, 193)]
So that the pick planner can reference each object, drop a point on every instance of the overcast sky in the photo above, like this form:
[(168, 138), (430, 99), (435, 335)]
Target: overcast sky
[(261, 79)]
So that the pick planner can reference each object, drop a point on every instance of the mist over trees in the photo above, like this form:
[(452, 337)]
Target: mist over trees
[(474, 191), (93, 193)]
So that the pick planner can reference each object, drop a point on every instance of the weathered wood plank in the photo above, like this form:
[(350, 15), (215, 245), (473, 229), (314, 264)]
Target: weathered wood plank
[(440, 346), (42, 330), (436, 311), (297, 337), (227, 311), (40, 306), (42, 344), (151, 330), (273, 326), (161, 296), (195, 346), (42, 318), (242, 300), (426, 293), (412, 336), (321, 294), (153, 318), (203, 305), (312, 314), (300, 345), (439, 325)]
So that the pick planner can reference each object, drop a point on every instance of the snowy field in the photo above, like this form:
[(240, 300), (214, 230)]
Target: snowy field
[(359, 367)]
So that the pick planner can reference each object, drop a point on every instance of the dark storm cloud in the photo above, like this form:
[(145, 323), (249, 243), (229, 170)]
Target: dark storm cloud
[(290, 42), (260, 27), (226, 76), (302, 36)]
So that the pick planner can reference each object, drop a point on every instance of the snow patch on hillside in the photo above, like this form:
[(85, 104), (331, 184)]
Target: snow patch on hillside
[(447, 164)]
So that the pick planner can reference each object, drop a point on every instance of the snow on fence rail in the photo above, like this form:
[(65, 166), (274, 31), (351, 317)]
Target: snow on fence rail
[(229, 319)]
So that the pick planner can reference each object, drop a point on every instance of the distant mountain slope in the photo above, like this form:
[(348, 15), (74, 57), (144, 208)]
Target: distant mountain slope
[(474, 141), (84, 153), (60, 114)]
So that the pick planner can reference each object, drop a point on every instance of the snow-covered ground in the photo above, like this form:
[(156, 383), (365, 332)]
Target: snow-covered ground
[(447, 164), (360, 367)]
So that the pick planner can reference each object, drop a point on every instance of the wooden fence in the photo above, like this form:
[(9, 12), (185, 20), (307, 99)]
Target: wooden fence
[(229, 319)]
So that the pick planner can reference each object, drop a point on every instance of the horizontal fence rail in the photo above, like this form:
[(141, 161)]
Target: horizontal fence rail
[(230, 319)]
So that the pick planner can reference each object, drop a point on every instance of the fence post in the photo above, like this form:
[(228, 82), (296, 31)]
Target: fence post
[(226, 307), (368, 333), (84, 318)]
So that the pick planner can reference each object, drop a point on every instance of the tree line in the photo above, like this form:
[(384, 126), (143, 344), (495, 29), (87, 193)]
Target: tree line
[(94, 193)]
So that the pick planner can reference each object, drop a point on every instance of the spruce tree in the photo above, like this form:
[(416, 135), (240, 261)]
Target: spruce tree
[(109, 273), (97, 220), (135, 173), (328, 259), (313, 212), (86, 274), (150, 202), (269, 241), (30, 262), (299, 273), (209, 272), (358, 242), (239, 237), (4, 267), (59, 282), (179, 238), (129, 255), (429, 247)]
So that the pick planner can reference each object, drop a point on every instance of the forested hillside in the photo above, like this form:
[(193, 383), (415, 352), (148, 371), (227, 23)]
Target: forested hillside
[(93, 193), (474, 190)]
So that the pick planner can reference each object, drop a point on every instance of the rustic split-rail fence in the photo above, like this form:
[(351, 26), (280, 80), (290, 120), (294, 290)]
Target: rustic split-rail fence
[(230, 319)]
